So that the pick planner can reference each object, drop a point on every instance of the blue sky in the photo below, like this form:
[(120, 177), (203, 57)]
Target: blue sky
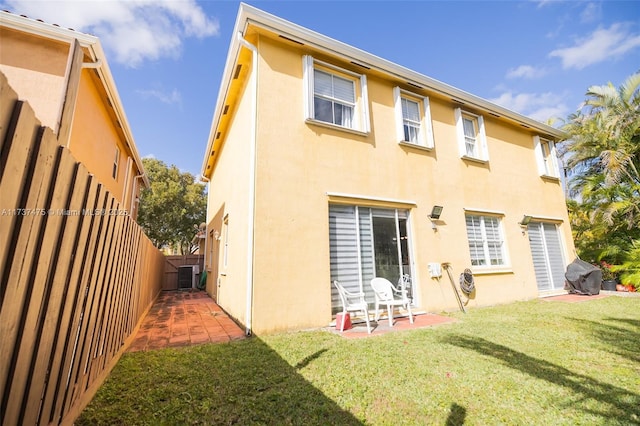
[(535, 57)]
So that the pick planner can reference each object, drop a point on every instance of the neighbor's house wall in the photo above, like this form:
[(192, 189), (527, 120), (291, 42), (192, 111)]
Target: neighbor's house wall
[(94, 136), (36, 67), (299, 163)]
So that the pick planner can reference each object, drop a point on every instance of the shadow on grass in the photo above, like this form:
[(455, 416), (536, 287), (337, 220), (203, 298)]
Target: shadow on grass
[(242, 382), (456, 416), (307, 360), (623, 406), (623, 340)]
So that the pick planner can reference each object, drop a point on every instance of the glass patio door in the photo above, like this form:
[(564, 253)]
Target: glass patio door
[(546, 252), (366, 243)]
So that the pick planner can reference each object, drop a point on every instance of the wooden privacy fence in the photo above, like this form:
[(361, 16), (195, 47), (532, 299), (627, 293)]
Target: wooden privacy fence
[(77, 274)]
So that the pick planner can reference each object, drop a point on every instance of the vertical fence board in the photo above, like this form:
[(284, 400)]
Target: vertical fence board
[(109, 305), (66, 380), (94, 359), (53, 246), (113, 340), (90, 307), (21, 284), (76, 239)]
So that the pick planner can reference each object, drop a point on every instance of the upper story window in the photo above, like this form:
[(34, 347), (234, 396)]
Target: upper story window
[(486, 244), (472, 139), (546, 157), (116, 161), (413, 118), (335, 96)]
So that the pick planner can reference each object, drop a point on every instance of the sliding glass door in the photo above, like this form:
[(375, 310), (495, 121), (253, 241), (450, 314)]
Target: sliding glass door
[(366, 243)]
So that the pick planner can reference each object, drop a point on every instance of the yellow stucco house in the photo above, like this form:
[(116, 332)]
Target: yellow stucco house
[(325, 163), (64, 75)]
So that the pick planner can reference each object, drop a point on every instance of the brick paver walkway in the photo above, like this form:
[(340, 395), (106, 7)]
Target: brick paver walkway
[(183, 318)]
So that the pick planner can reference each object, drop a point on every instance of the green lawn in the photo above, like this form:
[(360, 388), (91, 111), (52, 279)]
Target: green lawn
[(537, 362)]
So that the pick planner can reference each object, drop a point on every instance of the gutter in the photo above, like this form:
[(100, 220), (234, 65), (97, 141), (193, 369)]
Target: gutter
[(252, 181)]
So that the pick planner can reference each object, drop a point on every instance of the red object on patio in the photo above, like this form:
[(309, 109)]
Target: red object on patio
[(347, 321)]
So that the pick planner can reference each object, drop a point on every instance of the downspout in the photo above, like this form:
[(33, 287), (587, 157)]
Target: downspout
[(252, 181), (205, 264)]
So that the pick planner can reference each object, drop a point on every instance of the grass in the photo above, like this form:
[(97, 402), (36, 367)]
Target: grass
[(536, 362)]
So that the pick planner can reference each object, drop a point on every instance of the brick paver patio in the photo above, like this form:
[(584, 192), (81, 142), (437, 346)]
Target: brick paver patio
[(359, 330), (183, 318)]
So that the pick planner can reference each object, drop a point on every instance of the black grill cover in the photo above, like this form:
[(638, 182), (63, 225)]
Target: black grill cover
[(583, 278)]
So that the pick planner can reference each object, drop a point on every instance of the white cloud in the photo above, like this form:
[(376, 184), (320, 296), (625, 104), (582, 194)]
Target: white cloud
[(591, 13), (543, 3), (174, 97), (601, 45), (539, 106), (525, 71), (133, 31)]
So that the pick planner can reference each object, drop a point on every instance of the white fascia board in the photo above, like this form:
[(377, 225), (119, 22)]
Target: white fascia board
[(43, 29), (225, 82), (309, 37), (92, 43)]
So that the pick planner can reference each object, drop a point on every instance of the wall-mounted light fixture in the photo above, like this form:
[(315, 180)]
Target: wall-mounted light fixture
[(216, 235), (525, 220), (436, 211), (524, 223)]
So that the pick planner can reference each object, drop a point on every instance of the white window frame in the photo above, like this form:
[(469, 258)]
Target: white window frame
[(547, 161), (485, 242), (360, 121), (482, 151), (425, 128), (116, 163)]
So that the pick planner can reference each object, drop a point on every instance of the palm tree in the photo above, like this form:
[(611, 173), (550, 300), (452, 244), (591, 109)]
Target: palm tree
[(603, 153)]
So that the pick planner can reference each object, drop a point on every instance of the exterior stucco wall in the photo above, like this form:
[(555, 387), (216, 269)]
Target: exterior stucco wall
[(94, 137), (299, 163), (228, 198), (35, 68)]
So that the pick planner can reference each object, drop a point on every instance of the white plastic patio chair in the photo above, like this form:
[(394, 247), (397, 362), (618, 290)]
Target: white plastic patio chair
[(387, 294), (352, 302)]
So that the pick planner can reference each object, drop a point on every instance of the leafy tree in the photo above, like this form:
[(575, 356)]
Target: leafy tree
[(603, 153), (173, 207)]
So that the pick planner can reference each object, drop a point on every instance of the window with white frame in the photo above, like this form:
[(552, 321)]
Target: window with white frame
[(546, 157), (116, 161), (413, 118), (486, 244), (335, 96), (472, 139)]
